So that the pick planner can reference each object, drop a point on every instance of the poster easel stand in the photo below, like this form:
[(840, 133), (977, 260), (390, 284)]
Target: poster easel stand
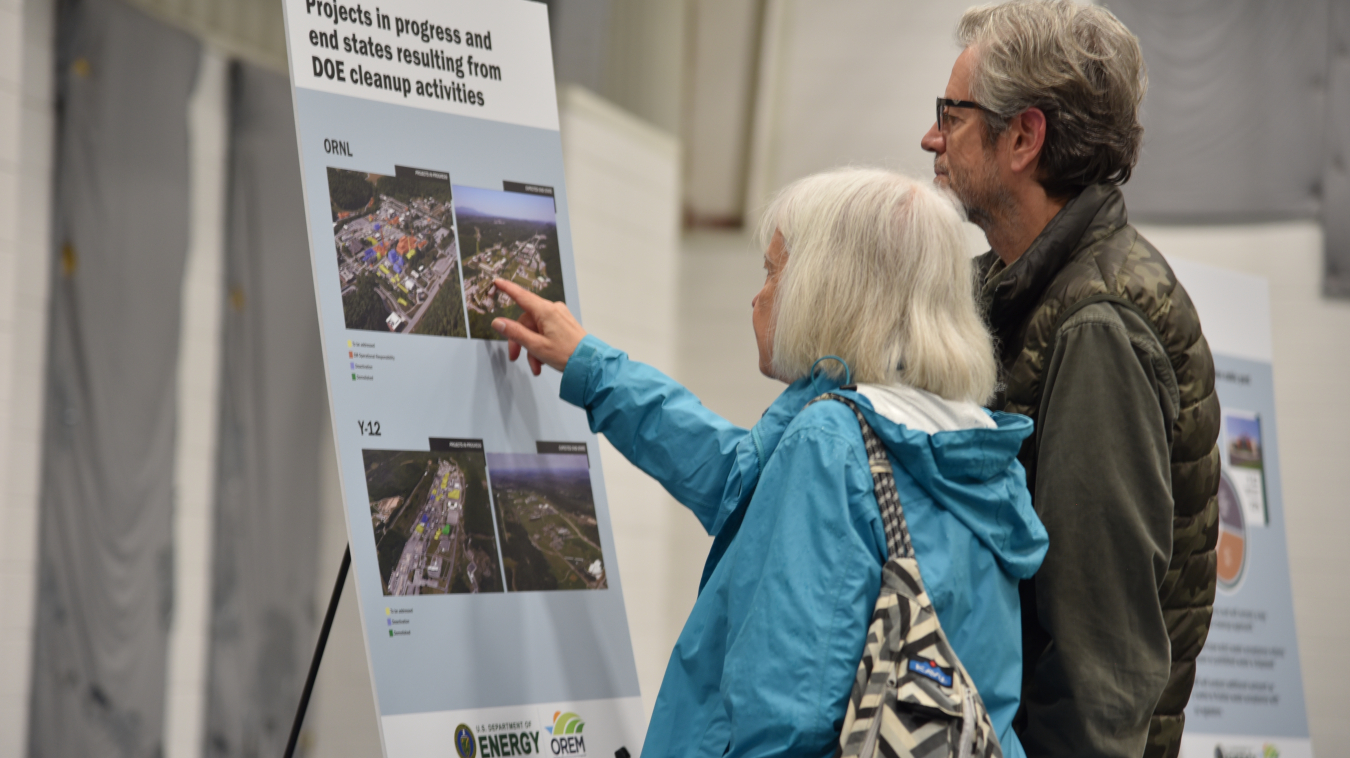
[(318, 651)]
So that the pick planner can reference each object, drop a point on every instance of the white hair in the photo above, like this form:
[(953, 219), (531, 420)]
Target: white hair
[(877, 274)]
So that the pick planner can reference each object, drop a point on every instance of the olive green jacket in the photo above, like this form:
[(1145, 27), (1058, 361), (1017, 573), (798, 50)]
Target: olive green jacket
[(1100, 345)]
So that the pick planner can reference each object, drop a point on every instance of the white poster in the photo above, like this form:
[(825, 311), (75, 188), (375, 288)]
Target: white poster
[(480, 534), (1248, 695)]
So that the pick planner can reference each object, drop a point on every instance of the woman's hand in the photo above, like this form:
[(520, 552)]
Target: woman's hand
[(546, 330)]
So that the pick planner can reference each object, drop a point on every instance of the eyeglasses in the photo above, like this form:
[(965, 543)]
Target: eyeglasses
[(947, 102)]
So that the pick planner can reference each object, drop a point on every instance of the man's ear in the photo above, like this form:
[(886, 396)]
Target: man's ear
[(1026, 137)]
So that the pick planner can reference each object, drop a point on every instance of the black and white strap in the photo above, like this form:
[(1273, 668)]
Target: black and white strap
[(883, 484)]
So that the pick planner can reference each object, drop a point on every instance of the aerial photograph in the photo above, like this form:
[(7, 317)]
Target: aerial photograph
[(398, 261), (512, 235), (1244, 439), (432, 522), (550, 539), (1246, 463)]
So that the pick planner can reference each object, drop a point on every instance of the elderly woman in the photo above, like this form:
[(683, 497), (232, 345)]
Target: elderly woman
[(866, 277)]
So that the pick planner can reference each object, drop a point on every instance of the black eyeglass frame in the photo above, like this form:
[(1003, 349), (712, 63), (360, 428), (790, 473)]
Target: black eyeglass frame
[(947, 102)]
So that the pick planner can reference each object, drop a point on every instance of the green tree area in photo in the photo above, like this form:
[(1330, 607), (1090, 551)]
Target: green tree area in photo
[(390, 473), (445, 316), (363, 308), (478, 526), (348, 190), (480, 324), (407, 189), (535, 509), (526, 567)]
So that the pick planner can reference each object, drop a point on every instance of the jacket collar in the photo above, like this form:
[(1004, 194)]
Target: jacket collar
[(1008, 293)]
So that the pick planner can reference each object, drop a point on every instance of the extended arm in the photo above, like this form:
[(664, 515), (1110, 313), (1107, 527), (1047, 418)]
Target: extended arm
[(662, 428), (708, 464), (1103, 491)]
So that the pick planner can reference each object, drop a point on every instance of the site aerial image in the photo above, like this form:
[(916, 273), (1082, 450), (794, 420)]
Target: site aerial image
[(512, 235), (550, 540), (397, 258), (432, 521)]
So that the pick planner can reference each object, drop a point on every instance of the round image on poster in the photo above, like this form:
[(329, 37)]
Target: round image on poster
[(1232, 547)]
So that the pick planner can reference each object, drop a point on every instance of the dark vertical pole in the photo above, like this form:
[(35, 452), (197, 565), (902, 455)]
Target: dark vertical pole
[(318, 651)]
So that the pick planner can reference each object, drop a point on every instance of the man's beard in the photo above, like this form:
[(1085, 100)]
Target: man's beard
[(987, 202)]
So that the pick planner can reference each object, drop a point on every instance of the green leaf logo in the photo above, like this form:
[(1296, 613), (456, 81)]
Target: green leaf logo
[(566, 723)]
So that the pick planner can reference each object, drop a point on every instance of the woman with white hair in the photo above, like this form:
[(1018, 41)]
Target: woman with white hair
[(867, 282)]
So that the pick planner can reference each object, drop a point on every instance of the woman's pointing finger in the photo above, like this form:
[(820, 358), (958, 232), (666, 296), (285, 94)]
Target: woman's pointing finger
[(531, 302)]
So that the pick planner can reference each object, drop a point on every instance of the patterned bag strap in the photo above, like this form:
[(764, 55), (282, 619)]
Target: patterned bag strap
[(898, 544)]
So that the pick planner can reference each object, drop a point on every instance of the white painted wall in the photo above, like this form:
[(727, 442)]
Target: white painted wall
[(720, 271), (26, 139), (199, 355), (623, 190), (851, 81), (720, 75)]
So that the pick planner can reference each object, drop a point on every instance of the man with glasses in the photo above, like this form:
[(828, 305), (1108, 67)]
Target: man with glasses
[(1100, 345)]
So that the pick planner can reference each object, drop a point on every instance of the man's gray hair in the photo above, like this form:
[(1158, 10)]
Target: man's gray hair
[(1080, 66), (877, 274)]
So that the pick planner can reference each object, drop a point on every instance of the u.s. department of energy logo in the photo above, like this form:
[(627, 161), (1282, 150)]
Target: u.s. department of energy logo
[(465, 744), (566, 731)]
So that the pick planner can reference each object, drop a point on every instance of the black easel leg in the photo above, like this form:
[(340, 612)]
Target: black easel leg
[(318, 651)]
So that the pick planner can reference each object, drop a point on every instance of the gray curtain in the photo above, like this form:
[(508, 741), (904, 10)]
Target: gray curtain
[(121, 229), (273, 401), (1336, 179), (1233, 120)]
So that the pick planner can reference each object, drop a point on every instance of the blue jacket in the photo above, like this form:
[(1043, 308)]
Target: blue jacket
[(766, 661)]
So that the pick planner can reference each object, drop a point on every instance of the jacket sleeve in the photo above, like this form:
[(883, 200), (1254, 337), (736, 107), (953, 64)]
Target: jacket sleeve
[(794, 646), (1103, 491), (707, 463)]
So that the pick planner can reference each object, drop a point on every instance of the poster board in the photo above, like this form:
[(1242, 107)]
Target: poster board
[(482, 551), (1248, 695)]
